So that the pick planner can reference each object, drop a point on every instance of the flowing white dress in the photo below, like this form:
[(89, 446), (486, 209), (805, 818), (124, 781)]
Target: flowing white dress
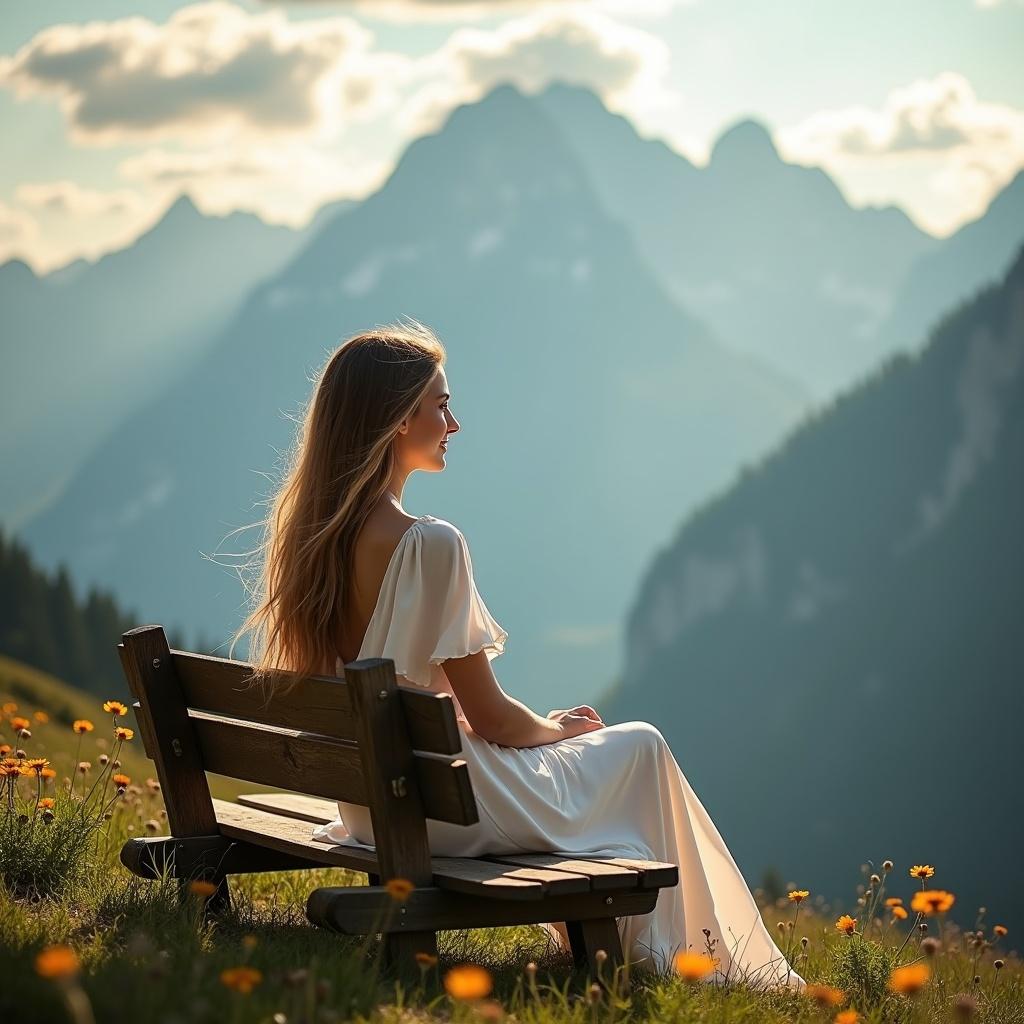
[(614, 792)]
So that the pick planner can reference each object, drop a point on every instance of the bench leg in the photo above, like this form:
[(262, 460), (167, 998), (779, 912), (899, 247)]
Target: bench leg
[(587, 937), (400, 949)]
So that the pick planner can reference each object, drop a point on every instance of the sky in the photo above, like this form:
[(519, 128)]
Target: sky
[(112, 109)]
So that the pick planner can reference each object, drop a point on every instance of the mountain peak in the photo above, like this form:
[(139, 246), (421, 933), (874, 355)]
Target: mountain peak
[(746, 143)]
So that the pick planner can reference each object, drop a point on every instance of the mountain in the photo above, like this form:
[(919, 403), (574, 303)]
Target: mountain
[(973, 256), (769, 254), (586, 396), (832, 646), (86, 345)]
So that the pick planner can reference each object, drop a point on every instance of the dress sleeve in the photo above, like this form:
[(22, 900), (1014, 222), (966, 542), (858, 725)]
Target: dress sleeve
[(436, 611)]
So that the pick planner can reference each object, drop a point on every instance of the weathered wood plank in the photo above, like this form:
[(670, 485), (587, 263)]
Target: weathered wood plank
[(316, 704), (601, 874), (322, 766)]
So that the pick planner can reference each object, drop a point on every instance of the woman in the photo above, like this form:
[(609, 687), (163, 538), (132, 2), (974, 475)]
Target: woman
[(348, 574)]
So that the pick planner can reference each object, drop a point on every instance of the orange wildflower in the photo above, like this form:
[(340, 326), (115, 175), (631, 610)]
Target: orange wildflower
[(847, 924), (847, 1017), (18, 723), (120, 779), (241, 979), (468, 981), (49, 773), (922, 871), (36, 764), (41, 717), (899, 913), (426, 959), (124, 733), (932, 901), (894, 901), (5, 748), (201, 887), (46, 803), (825, 995), (115, 706), (56, 962), (909, 979), (9, 708), (82, 725), (999, 929), (692, 966), (399, 888)]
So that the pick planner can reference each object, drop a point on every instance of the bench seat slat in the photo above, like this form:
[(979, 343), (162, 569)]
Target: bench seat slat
[(291, 835)]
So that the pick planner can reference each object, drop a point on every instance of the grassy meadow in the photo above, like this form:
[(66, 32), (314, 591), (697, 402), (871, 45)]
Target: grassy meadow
[(81, 939)]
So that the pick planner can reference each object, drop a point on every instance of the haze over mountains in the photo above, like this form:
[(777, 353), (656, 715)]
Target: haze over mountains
[(618, 351), (576, 380), (833, 646), (86, 345)]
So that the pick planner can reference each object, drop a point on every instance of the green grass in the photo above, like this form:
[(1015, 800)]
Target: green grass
[(145, 956)]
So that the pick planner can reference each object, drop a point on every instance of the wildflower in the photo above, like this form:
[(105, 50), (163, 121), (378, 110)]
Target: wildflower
[(115, 707), (910, 979), (104, 759), (922, 871), (847, 1017), (10, 707), (5, 748), (932, 901), (123, 733), (965, 1005), (18, 723), (82, 725), (399, 888), (84, 766), (894, 901), (49, 773), (876, 880), (594, 994), (825, 995), (201, 887), (468, 981), (153, 785), (899, 913), (531, 970), (249, 941), (999, 929), (46, 803), (41, 716), (490, 1009), (426, 959), (798, 895), (241, 979), (692, 966), (847, 924), (37, 764), (887, 866), (120, 779), (56, 962), (601, 955), (997, 964)]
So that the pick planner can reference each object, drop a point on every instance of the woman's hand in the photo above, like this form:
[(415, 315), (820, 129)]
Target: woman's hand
[(577, 721)]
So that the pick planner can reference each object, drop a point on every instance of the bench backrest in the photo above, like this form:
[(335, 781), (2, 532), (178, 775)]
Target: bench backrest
[(362, 739)]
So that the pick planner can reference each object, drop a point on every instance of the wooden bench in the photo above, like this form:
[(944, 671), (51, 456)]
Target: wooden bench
[(366, 740)]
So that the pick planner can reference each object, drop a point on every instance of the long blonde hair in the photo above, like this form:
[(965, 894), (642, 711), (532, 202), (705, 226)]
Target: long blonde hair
[(335, 474)]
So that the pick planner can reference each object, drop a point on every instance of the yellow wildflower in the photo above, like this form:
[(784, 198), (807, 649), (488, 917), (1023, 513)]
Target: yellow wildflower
[(847, 924), (798, 895), (922, 871)]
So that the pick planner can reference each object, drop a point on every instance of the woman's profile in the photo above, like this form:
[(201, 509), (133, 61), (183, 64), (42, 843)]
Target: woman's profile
[(348, 574)]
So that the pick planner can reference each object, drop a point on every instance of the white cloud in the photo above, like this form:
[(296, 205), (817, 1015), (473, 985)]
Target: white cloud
[(625, 66), (212, 72), (17, 230), (965, 150), (434, 11), (70, 199)]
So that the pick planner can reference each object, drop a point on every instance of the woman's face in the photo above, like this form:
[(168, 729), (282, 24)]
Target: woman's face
[(423, 444)]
